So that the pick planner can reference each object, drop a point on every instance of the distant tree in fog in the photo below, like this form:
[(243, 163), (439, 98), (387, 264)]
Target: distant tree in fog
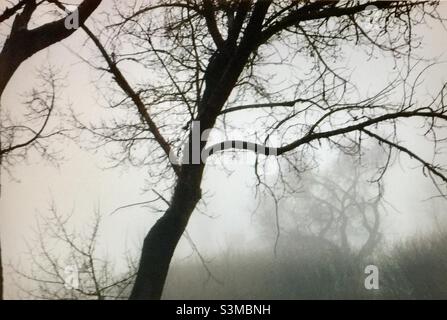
[(342, 209), (338, 209)]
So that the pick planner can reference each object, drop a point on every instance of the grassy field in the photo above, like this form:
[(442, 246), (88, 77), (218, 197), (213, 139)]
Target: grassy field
[(414, 269)]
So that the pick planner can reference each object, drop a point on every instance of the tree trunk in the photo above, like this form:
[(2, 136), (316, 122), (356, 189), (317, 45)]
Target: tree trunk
[(1, 275), (161, 241), (159, 245), (1, 263), (7, 69)]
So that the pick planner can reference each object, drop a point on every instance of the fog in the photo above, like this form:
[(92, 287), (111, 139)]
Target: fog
[(236, 245)]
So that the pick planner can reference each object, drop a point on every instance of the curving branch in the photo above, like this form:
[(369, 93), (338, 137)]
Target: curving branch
[(121, 80), (323, 10), (262, 149), (210, 18), (290, 103)]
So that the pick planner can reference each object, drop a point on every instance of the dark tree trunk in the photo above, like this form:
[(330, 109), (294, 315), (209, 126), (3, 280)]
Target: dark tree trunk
[(161, 241), (1, 263), (159, 245), (1, 275), (7, 69)]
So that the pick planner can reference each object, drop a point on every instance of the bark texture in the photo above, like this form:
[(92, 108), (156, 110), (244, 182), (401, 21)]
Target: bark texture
[(161, 241)]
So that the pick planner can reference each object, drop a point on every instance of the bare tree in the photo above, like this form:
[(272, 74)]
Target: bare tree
[(337, 210), (66, 263), (341, 210), (182, 68), (20, 44)]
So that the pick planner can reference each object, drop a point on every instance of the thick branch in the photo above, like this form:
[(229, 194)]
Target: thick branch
[(243, 145), (317, 11), (23, 43), (263, 105), (9, 12), (210, 18), (121, 80)]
